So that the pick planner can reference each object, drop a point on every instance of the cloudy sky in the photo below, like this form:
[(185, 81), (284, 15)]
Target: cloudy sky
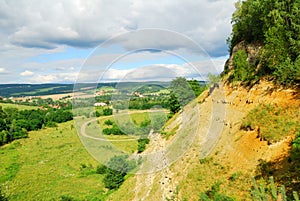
[(53, 41)]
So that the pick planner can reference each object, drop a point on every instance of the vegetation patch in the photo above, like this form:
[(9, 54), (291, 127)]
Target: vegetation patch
[(273, 123)]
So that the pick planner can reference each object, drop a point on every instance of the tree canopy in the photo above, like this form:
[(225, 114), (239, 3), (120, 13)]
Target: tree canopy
[(275, 25)]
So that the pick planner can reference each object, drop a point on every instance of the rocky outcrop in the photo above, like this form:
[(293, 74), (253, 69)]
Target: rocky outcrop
[(252, 50)]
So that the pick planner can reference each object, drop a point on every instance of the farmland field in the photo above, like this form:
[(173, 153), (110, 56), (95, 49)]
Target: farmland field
[(20, 107)]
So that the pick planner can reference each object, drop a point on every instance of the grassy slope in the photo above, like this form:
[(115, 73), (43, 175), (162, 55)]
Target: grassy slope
[(47, 165)]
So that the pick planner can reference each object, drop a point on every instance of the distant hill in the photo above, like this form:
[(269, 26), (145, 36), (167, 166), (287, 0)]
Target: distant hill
[(18, 90)]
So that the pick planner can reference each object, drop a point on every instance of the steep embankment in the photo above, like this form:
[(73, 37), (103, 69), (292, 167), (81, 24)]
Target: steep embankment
[(231, 154)]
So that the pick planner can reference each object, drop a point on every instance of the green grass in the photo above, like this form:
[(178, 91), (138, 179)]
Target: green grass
[(20, 107), (274, 123), (107, 88), (48, 165), (127, 146)]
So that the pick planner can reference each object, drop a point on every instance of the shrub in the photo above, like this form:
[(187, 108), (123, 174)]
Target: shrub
[(269, 190), (242, 70), (108, 122), (115, 130), (118, 167), (101, 169), (142, 144), (214, 194)]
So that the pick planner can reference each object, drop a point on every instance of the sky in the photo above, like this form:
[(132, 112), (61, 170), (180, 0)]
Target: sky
[(71, 41)]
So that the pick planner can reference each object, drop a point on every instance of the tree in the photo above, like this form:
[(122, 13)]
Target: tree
[(275, 25), (182, 90), (118, 167), (181, 94), (173, 104)]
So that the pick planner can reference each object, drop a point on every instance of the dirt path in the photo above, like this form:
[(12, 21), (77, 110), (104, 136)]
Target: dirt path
[(85, 124)]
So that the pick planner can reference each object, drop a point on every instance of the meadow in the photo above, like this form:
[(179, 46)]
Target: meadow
[(19, 107), (51, 163)]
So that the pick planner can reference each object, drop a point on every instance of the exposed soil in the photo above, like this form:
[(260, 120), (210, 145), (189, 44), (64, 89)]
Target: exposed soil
[(235, 149)]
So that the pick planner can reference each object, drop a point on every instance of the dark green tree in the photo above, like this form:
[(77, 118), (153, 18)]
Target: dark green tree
[(181, 94)]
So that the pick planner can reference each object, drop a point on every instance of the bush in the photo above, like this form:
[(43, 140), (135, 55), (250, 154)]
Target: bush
[(214, 194), (142, 144), (265, 190), (118, 167), (242, 70), (108, 122), (115, 130), (101, 169), (107, 111)]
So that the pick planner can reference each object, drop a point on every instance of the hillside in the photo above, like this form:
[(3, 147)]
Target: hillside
[(232, 161)]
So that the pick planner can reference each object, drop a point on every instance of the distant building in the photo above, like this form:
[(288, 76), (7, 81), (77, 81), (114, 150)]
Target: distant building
[(101, 104)]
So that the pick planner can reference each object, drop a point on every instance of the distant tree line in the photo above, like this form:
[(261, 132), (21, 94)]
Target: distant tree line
[(15, 124), (46, 103)]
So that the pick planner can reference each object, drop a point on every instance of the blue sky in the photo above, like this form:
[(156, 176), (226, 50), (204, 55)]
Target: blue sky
[(56, 41)]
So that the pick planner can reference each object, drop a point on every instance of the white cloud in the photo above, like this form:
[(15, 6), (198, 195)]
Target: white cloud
[(45, 79), (31, 28), (49, 24), (27, 73)]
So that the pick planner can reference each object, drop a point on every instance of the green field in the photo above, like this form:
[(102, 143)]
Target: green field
[(53, 162), (20, 107), (94, 129), (47, 165)]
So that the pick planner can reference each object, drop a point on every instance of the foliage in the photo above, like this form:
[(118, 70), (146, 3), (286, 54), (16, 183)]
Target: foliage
[(214, 194), (182, 92), (276, 25), (197, 87), (242, 70), (108, 122), (118, 167), (107, 111), (142, 144), (269, 191), (86, 170), (114, 130), (273, 123), (15, 124), (101, 169)]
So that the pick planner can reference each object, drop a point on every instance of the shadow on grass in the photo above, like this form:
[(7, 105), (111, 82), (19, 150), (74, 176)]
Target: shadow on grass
[(285, 171)]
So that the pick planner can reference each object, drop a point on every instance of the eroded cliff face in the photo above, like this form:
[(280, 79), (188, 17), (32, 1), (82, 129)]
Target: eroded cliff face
[(236, 151)]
